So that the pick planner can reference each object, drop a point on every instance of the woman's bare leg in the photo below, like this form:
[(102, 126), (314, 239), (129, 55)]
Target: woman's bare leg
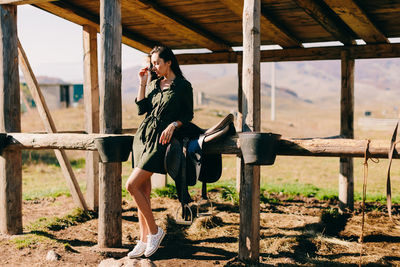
[(139, 186), (144, 231)]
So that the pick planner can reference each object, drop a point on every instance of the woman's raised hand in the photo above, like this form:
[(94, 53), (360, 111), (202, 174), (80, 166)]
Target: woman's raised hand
[(143, 76)]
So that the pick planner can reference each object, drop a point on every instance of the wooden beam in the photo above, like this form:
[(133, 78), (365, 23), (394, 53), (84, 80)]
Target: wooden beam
[(23, 2), (50, 127), (69, 141), (321, 15), (177, 25), (10, 121), (110, 195), (297, 54), (249, 236), (239, 120), (91, 99), (310, 147), (79, 16), (357, 20), (269, 28), (313, 147), (346, 176)]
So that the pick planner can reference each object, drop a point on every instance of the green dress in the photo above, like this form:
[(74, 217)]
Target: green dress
[(161, 107)]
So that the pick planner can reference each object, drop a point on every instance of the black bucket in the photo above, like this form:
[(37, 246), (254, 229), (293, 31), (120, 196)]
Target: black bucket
[(114, 148), (258, 148)]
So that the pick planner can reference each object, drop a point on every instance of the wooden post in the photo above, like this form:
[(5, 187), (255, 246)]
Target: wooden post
[(273, 90), (249, 237), (239, 122), (50, 127), (158, 180), (91, 98), (110, 197), (346, 179), (10, 121)]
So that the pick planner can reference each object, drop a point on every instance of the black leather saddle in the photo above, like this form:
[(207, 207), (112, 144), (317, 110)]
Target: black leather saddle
[(185, 162)]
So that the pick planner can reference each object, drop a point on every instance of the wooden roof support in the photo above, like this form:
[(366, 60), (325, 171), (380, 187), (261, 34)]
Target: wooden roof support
[(50, 127), (10, 121), (91, 100), (110, 210), (298, 54), (249, 235), (320, 14), (23, 2), (268, 27), (357, 20), (346, 175), (177, 25), (79, 16)]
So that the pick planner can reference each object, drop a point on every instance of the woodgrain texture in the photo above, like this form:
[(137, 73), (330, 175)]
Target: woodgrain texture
[(249, 236), (298, 54), (312, 147), (356, 18), (216, 24), (91, 99), (10, 120), (346, 175), (110, 198)]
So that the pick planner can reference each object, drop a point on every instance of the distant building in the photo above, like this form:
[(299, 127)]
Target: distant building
[(61, 95)]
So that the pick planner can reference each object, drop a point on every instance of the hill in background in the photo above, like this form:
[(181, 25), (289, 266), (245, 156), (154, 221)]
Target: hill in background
[(313, 82)]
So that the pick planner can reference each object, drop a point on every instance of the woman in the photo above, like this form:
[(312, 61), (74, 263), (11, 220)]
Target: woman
[(168, 105)]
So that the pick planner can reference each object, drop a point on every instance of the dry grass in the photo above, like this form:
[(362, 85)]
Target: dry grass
[(302, 121)]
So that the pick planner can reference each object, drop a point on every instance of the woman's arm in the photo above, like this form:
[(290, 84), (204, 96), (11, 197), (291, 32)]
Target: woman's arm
[(143, 76)]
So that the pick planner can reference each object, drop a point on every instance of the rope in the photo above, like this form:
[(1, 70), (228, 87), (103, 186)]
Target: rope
[(393, 144), (364, 194), (388, 184)]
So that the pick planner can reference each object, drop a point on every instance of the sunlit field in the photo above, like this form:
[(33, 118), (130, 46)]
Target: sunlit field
[(310, 176)]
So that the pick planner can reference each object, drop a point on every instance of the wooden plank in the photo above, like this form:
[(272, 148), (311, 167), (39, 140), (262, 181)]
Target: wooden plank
[(68, 141), (346, 176), (357, 20), (10, 120), (239, 121), (22, 2), (177, 25), (50, 127), (297, 54), (91, 99), (81, 17), (110, 196), (249, 236), (311, 147), (326, 20), (268, 27)]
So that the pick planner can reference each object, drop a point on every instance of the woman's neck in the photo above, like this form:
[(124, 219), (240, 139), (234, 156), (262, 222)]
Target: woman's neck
[(169, 77)]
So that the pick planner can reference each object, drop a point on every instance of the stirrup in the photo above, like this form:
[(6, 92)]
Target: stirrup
[(183, 221), (210, 211)]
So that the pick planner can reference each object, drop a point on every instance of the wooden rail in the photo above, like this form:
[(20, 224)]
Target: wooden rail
[(317, 147)]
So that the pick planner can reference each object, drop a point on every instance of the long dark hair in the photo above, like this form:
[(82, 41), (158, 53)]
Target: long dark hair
[(166, 54)]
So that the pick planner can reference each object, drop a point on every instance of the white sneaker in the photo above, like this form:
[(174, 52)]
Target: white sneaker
[(153, 242), (138, 250)]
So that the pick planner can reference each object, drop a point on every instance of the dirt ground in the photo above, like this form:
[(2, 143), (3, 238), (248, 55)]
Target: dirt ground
[(300, 231)]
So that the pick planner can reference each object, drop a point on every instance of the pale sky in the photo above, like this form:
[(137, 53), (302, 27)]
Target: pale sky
[(54, 45)]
